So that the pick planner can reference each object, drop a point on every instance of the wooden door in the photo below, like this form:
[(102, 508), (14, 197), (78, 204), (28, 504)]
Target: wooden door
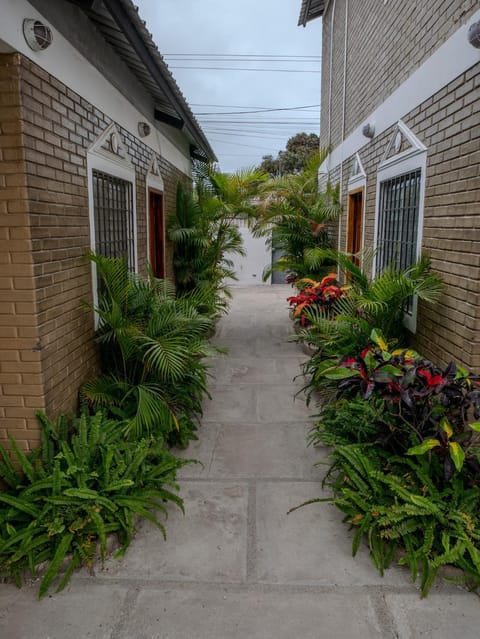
[(355, 223), (156, 233)]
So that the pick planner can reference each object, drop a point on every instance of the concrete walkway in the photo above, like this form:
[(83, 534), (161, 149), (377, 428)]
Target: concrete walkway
[(236, 566)]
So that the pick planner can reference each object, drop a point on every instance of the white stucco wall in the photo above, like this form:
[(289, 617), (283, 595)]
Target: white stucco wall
[(249, 269)]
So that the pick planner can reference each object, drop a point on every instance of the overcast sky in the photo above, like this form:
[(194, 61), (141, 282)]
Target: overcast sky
[(253, 34)]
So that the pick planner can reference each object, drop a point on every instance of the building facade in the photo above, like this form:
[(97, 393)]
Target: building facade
[(94, 138), (400, 111)]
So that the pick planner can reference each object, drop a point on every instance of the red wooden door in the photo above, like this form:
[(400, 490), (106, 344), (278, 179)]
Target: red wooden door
[(355, 224), (156, 233)]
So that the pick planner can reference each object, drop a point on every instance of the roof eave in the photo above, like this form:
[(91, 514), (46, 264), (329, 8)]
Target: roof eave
[(310, 10)]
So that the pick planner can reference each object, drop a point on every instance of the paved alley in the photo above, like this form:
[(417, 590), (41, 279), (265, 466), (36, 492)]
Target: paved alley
[(235, 566)]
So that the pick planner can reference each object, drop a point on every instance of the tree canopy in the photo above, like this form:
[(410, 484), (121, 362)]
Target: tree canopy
[(298, 150)]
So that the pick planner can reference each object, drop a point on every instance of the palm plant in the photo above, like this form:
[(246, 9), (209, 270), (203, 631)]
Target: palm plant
[(152, 345), (204, 231), (297, 215), (378, 302)]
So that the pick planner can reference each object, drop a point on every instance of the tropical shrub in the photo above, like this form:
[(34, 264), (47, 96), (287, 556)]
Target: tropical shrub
[(84, 482), (152, 344), (425, 408), (379, 301), (364, 305), (295, 216), (394, 504), (204, 232), (323, 295), (405, 462)]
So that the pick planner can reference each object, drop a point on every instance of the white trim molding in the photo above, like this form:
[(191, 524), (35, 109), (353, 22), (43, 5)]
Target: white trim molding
[(358, 177), (108, 154), (404, 160), (451, 59), (357, 181)]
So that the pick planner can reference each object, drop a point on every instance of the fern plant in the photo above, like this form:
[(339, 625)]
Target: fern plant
[(393, 504), (84, 483)]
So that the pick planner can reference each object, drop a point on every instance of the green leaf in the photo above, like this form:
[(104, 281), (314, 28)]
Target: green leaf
[(377, 337), (55, 565), (445, 426), (24, 506), (475, 426), (340, 372), (457, 454), (424, 447)]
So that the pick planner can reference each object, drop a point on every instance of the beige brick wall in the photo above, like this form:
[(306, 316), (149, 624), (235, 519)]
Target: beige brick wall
[(46, 333), (21, 380), (448, 125), (387, 41)]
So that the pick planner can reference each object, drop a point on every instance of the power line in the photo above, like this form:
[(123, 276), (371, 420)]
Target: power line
[(247, 69), (239, 55), (299, 108), (264, 122), (250, 146), (251, 59)]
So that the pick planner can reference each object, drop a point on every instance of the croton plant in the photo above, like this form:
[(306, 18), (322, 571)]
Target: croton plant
[(322, 294), (426, 408)]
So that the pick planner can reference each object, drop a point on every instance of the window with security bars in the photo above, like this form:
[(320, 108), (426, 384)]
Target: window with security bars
[(398, 217), (114, 217)]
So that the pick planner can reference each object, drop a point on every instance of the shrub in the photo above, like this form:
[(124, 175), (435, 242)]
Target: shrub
[(85, 482), (393, 502), (425, 408), (322, 295), (404, 469), (152, 345)]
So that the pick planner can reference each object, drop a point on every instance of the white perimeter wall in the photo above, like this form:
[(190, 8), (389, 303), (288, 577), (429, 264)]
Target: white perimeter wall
[(249, 269)]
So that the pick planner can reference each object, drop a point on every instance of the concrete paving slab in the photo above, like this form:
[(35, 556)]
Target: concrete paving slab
[(250, 325), (454, 613), (232, 404), (226, 614), (310, 546), (243, 370), (279, 404), (260, 347), (249, 403), (207, 544), (236, 451), (80, 611)]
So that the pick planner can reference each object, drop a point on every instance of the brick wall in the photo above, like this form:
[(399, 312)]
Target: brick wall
[(47, 277), (21, 380), (447, 124), (387, 41)]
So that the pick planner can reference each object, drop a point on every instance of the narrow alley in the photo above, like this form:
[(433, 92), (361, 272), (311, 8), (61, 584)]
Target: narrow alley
[(236, 566)]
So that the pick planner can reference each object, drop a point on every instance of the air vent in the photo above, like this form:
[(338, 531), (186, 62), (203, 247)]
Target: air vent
[(37, 35)]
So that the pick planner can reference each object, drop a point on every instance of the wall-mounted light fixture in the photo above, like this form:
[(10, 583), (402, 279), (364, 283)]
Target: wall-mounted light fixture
[(474, 35), (37, 35), (368, 131), (143, 129)]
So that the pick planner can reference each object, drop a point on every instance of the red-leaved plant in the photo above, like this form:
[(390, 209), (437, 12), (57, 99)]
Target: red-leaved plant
[(322, 294), (426, 408)]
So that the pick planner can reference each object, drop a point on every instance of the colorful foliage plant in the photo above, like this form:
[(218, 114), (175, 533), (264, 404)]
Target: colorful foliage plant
[(426, 408), (321, 294)]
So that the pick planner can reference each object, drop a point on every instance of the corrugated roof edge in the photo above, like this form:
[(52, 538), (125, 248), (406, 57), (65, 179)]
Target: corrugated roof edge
[(310, 10), (182, 104)]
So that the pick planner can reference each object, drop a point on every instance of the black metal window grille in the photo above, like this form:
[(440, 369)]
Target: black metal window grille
[(398, 222), (113, 216)]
